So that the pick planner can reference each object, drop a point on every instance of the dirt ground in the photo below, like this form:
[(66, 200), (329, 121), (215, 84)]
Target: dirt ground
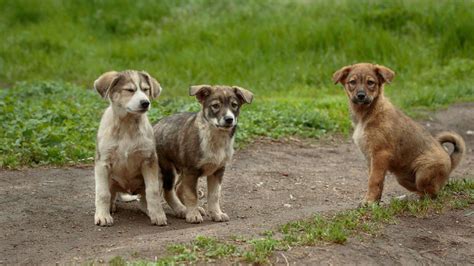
[(46, 214)]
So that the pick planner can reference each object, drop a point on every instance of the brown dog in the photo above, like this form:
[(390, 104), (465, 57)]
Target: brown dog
[(199, 144), (390, 140)]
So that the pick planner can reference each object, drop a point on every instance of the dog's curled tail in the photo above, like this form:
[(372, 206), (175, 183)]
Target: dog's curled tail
[(459, 146)]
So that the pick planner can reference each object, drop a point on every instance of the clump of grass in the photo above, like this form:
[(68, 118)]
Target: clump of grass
[(202, 248), (335, 228), (261, 249), (117, 261)]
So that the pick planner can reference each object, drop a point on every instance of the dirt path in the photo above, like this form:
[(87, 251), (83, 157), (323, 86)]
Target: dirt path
[(46, 215)]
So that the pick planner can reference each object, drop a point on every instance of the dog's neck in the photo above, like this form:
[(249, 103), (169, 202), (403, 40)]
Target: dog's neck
[(123, 119), (360, 112)]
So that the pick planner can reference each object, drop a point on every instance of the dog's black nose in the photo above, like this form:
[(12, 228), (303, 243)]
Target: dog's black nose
[(361, 95), (228, 119), (145, 103)]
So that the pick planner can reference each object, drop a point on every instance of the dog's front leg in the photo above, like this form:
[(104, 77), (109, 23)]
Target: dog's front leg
[(214, 182), (187, 193), (378, 168), (102, 215), (153, 186)]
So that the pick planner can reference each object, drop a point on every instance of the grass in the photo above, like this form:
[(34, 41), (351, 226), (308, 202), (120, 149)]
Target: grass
[(334, 228), (284, 51), (268, 46), (56, 123)]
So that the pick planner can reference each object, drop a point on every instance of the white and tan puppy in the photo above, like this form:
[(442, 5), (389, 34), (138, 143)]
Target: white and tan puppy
[(126, 159)]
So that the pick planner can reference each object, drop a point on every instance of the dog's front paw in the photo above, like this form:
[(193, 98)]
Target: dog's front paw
[(158, 219), (368, 202), (219, 216), (103, 219), (194, 217)]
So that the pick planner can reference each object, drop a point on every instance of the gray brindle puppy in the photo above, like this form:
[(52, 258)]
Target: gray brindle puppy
[(199, 144)]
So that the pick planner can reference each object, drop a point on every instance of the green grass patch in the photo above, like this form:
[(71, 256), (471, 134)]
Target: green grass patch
[(268, 46), (283, 51), (334, 228), (56, 123)]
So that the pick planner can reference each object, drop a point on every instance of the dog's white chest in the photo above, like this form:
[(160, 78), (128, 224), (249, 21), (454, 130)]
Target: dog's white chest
[(358, 136), (216, 150)]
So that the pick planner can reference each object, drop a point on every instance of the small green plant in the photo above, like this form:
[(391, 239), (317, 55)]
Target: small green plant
[(261, 249), (117, 261)]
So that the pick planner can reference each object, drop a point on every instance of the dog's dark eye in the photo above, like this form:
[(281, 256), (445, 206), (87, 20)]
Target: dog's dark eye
[(145, 89), (353, 82), (234, 105), (370, 82), (130, 90), (215, 106)]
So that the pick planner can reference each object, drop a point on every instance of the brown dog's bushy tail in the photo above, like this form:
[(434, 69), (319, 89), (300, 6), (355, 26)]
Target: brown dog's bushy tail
[(459, 146)]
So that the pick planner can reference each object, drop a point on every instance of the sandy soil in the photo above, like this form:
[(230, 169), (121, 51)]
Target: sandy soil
[(46, 214)]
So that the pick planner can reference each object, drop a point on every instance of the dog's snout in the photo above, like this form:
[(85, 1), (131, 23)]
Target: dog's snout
[(361, 95), (144, 103), (228, 119)]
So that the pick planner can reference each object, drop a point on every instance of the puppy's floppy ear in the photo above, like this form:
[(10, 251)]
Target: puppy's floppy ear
[(105, 82), (341, 75), (154, 85), (385, 74), (245, 95), (200, 91)]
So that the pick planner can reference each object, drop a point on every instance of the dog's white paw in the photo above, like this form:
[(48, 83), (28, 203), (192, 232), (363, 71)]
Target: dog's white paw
[(194, 217), (219, 216), (158, 219), (103, 219)]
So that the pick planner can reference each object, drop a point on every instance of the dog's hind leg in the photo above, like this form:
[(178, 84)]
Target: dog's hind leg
[(113, 197), (187, 192), (213, 196), (431, 178), (169, 177)]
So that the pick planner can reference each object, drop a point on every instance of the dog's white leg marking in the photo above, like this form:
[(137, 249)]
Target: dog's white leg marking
[(213, 197), (102, 215), (153, 185)]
